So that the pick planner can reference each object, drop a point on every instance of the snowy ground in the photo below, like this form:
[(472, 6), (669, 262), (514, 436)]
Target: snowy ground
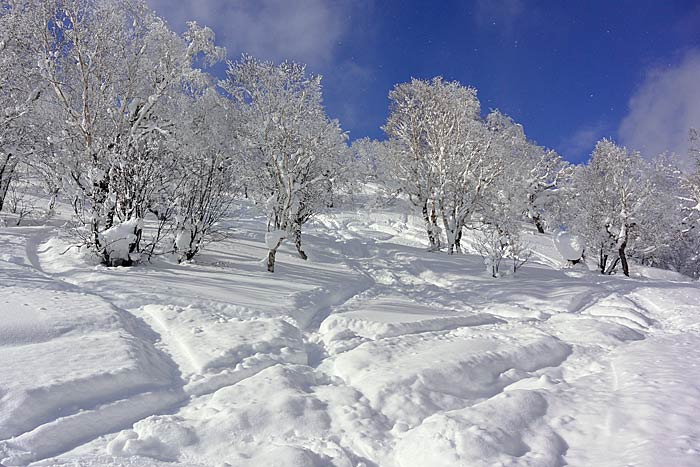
[(372, 353)]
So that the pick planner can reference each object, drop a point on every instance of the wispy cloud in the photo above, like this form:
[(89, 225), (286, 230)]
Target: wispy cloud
[(664, 108), (352, 80), (307, 31), (579, 145)]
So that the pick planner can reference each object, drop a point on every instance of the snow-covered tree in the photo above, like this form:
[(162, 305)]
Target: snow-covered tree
[(376, 162), (444, 155), (529, 174), (501, 244), (111, 66), (672, 235), (293, 151), (611, 192), (205, 181), (20, 88)]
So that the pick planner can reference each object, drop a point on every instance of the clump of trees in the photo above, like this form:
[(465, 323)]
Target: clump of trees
[(461, 170), (110, 107), (103, 104)]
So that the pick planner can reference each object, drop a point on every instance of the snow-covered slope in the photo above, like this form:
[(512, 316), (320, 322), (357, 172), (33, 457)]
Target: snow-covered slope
[(372, 353)]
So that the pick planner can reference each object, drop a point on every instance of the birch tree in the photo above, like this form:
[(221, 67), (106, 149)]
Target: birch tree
[(444, 154), (111, 65), (293, 151), (611, 192), (20, 89)]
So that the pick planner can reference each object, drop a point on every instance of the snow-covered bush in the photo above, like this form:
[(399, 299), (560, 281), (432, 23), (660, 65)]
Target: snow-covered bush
[(206, 178), (499, 247), (569, 246)]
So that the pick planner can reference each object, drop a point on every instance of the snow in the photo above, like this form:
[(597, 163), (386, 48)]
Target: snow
[(569, 246), (274, 238), (373, 352), (119, 238)]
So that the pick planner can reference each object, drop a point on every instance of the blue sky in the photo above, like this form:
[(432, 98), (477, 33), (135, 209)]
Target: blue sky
[(570, 71)]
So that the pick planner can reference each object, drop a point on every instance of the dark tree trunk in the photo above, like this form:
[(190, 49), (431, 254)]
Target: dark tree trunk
[(538, 223), (458, 239), (297, 243), (602, 261), (6, 170), (271, 260), (623, 259)]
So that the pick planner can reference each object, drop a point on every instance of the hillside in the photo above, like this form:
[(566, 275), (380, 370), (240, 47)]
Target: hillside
[(373, 352)]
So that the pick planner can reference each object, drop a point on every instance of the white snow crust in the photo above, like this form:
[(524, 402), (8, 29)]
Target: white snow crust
[(374, 352)]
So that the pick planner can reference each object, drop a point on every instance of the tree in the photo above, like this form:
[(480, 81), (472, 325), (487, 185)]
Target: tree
[(529, 174), (111, 66), (293, 151), (444, 153), (608, 207), (20, 88), (206, 177)]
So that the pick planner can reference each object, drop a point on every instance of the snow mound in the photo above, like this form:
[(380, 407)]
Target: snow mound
[(410, 378), (507, 429), (270, 418), (209, 342), (395, 316), (158, 437), (87, 360), (619, 309), (118, 239), (583, 330)]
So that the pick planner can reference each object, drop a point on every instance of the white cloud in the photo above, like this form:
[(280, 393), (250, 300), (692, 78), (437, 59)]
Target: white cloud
[(580, 144), (307, 31), (352, 80), (664, 108)]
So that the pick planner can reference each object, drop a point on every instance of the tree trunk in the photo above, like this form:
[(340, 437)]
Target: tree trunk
[(271, 260), (297, 242), (623, 258), (602, 261), (451, 235), (458, 239), (538, 223), (429, 226), (7, 168), (612, 266)]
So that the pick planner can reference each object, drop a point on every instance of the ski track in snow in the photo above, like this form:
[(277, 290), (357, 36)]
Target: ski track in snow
[(372, 353)]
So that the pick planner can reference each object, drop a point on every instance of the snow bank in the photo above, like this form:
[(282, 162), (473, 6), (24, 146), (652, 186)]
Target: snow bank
[(209, 342), (271, 418), (507, 429), (395, 316), (619, 309), (73, 357), (410, 378)]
